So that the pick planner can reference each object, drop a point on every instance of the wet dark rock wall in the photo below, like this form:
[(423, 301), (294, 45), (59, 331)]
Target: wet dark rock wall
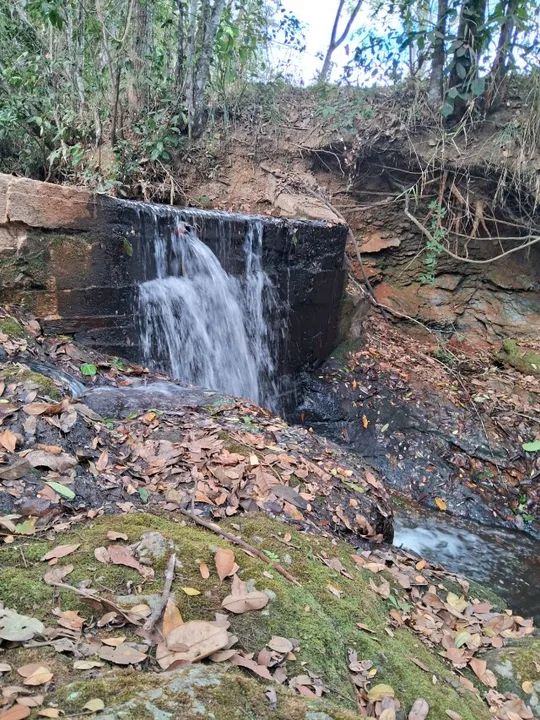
[(74, 260)]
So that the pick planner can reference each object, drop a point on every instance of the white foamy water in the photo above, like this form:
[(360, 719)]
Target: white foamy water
[(205, 326)]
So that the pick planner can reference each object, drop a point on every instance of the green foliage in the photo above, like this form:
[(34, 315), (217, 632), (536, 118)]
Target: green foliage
[(88, 369)]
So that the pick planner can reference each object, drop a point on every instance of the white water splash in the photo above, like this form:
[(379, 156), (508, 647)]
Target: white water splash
[(205, 326)]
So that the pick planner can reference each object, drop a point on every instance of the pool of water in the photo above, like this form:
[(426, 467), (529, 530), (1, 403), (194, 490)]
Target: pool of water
[(507, 562)]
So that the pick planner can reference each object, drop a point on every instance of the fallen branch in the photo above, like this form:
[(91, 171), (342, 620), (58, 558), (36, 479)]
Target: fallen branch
[(214, 527), (160, 607), (97, 599)]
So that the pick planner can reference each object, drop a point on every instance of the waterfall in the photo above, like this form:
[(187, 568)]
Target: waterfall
[(205, 326)]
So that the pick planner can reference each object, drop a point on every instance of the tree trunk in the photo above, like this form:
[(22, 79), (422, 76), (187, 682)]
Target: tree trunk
[(496, 80), (203, 32), (465, 62), (336, 41), (439, 57), (139, 47)]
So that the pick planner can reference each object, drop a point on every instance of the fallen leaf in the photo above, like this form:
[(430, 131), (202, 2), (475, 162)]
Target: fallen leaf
[(250, 664), (172, 618), (113, 535), (114, 641), (86, 664), (70, 619), (205, 572), (440, 504), (57, 574), (122, 655), (225, 562), (60, 551), (280, 644), (94, 705), (31, 701), (60, 462), (191, 591), (123, 555), (245, 602), (453, 715), (18, 628), (61, 490), (419, 710), (5, 667), (35, 674), (8, 440), (50, 712), (527, 686), (365, 422), (197, 639), (378, 692), (16, 712), (480, 669)]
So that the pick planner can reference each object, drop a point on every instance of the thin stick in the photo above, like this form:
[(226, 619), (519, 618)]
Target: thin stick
[(214, 527), (160, 607)]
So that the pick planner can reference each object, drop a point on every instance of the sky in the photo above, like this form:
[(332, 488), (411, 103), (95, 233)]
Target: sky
[(317, 17)]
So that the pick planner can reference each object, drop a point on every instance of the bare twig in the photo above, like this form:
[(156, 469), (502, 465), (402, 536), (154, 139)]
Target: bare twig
[(214, 527), (160, 607)]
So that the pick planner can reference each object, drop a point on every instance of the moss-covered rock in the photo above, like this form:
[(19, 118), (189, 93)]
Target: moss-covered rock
[(518, 668), (10, 327), (33, 380), (322, 613), (524, 360)]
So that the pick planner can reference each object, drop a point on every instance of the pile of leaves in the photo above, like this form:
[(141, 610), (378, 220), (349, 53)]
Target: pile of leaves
[(60, 457)]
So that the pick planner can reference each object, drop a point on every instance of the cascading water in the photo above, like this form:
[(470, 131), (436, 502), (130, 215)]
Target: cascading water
[(205, 326)]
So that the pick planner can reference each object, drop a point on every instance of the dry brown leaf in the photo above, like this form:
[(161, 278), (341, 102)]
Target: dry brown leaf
[(102, 461), (122, 655), (57, 462), (69, 619), (94, 705), (114, 641), (480, 669), (225, 562), (35, 674), (205, 572), (113, 535), (453, 715), (250, 664), (280, 644), (8, 440), (419, 710), (245, 602), (57, 574), (86, 664), (31, 701), (172, 618), (123, 555), (16, 712), (50, 712), (60, 551), (197, 639)]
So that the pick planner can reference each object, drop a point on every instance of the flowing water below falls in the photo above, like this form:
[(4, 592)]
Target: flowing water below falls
[(205, 326)]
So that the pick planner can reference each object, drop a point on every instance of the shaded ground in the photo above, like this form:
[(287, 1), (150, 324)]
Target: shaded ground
[(444, 428)]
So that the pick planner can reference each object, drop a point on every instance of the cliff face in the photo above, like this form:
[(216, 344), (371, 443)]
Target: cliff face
[(74, 259)]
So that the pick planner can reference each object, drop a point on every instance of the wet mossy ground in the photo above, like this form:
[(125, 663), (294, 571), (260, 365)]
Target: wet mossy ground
[(34, 380), (522, 359), (324, 624), (10, 327)]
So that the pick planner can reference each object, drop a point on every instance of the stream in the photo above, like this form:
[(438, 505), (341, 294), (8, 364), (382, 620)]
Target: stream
[(506, 562)]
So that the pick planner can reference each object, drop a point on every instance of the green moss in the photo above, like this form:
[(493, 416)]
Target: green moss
[(526, 361), (42, 383), (324, 624), (10, 327)]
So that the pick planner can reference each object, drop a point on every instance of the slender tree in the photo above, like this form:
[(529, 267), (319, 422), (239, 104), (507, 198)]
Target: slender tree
[(338, 39)]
